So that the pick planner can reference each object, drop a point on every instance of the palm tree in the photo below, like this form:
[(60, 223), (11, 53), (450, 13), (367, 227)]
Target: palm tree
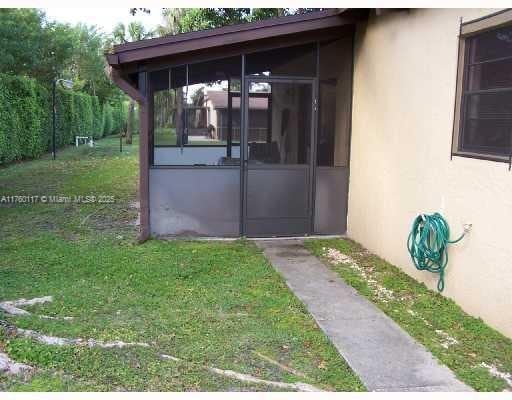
[(124, 34), (171, 21)]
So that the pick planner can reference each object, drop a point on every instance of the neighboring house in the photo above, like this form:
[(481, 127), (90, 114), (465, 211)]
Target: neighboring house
[(216, 102), (415, 104)]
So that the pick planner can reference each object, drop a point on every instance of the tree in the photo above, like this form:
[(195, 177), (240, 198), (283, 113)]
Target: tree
[(32, 46), (88, 63), (133, 32), (123, 34), (180, 20), (43, 50)]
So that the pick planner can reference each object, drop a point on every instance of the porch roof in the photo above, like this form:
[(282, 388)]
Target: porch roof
[(241, 35)]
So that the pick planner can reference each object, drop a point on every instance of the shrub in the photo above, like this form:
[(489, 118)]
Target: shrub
[(66, 117), (10, 149), (119, 117), (26, 117), (85, 115), (107, 119), (29, 136), (97, 118), (23, 118)]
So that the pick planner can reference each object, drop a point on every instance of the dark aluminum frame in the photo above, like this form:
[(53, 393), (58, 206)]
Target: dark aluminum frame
[(132, 63), (244, 165), (244, 162)]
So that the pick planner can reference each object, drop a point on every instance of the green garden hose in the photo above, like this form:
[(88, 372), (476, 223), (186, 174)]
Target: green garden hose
[(427, 244)]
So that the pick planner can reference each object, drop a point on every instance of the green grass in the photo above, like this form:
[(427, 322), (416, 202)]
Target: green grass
[(209, 303), (421, 312), (167, 137)]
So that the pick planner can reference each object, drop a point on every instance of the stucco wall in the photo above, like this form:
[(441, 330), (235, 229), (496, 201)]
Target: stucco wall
[(403, 105)]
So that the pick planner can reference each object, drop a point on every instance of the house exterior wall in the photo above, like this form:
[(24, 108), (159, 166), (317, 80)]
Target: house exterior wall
[(402, 118)]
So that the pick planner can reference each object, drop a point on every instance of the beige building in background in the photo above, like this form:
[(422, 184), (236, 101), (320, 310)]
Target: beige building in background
[(404, 90)]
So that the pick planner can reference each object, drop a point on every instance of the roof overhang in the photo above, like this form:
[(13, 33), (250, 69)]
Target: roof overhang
[(246, 35)]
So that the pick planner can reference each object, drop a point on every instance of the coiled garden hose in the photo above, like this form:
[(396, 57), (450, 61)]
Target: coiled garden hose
[(427, 244)]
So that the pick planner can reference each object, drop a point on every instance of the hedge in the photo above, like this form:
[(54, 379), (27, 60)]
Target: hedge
[(108, 122), (114, 117), (97, 122), (26, 120)]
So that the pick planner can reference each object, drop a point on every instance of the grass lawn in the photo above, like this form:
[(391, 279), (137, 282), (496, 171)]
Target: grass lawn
[(211, 304), (167, 137), (465, 344)]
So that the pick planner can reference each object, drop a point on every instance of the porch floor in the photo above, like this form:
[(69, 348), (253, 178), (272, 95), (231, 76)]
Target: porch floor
[(384, 356)]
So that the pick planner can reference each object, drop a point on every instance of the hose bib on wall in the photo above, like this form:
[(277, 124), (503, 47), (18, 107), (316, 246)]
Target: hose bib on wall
[(427, 244)]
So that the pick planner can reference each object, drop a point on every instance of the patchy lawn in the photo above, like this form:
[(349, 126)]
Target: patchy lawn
[(209, 304), (479, 355)]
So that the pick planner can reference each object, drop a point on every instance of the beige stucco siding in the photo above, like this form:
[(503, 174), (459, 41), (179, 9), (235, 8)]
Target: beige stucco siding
[(403, 105)]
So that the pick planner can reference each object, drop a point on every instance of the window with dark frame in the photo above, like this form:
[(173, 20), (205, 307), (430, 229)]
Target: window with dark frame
[(197, 108), (196, 113), (485, 125), (279, 123)]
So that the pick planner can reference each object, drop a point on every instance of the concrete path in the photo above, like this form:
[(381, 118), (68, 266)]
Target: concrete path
[(384, 356)]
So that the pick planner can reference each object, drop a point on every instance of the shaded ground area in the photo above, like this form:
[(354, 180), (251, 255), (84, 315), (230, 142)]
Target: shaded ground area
[(479, 356), (215, 305)]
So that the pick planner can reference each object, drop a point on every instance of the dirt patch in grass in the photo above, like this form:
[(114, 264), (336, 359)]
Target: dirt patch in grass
[(479, 355)]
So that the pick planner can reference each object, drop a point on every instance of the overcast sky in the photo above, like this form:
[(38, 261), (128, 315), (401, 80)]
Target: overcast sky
[(103, 18)]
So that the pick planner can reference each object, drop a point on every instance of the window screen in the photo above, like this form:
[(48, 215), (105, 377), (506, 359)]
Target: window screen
[(170, 91), (197, 113), (335, 85), (279, 123), (486, 123), (286, 61)]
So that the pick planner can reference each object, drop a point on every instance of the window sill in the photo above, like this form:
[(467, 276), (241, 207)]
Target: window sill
[(487, 157)]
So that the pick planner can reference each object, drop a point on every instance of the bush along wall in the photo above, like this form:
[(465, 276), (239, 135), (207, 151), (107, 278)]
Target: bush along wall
[(26, 118)]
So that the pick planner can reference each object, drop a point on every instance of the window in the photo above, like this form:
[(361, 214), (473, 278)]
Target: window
[(279, 123), (170, 87), (197, 114), (483, 124)]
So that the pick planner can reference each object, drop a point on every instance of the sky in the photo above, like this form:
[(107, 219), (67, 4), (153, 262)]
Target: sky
[(103, 18)]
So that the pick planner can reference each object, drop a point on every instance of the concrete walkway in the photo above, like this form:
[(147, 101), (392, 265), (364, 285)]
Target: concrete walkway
[(384, 356)]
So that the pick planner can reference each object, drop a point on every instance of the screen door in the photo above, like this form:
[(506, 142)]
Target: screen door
[(278, 156)]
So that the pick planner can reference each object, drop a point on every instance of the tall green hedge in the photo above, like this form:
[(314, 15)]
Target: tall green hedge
[(115, 115), (97, 115), (26, 117), (108, 122), (9, 123), (24, 124)]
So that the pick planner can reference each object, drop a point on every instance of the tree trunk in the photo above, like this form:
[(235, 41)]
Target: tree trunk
[(129, 122)]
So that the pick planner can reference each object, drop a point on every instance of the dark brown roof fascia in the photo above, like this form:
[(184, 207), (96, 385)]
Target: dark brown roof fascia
[(224, 30), (243, 33)]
